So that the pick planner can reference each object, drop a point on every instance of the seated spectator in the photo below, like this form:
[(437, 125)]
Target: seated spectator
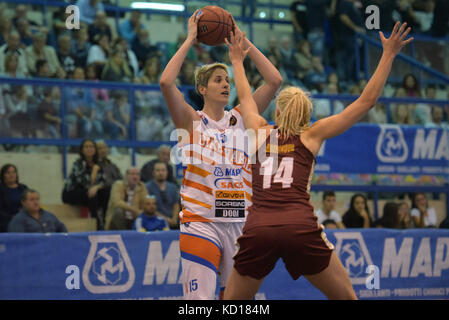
[(99, 27), (40, 51), (48, 113), (17, 106), (411, 86), (143, 48), (423, 216), (148, 219), (88, 9), (5, 29), (65, 56), (130, 27), (377, 114), (423, 111), (111, 172), (116, 69), (167, 194), (163, 155), (390, 217), (402, 115), (81, 117), (288, 59), (99, 52), (437, 119), (322, 107), (273, 48), (311, 69), (357, 215), (21, 12), (100, 94), (11, 70), (32, 218), (405, 219), (327, 211), (173, 47), (80, 47), (126, 201), (329, 224), (24, 30), (10, 194), (12, 46), (128, 56), (85, 184), (151, 71), (116, 125)]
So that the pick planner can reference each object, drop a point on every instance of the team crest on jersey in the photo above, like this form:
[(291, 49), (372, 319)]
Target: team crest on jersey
[(233, 121)]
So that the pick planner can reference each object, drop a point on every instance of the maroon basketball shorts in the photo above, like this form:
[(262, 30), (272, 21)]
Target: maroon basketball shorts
[(304, 252)]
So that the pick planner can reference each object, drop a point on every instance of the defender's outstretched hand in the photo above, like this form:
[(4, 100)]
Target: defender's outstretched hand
[(236, 45), (396, 40)]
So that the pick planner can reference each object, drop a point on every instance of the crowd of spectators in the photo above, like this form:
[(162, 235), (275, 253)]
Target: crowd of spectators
[(319, 56)]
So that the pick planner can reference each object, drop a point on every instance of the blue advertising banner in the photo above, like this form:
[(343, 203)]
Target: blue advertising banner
[(382, 264), (386, 149)]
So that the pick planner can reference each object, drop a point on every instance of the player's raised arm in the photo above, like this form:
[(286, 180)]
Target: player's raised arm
[(181, 112), (250, 113), (271, 76), (332, 126)]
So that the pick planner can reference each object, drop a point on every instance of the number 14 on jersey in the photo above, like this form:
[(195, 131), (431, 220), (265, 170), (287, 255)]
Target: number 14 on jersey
[(282, 175)]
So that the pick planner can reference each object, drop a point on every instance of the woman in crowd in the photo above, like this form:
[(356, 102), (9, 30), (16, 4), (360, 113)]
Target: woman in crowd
[(358, 214)]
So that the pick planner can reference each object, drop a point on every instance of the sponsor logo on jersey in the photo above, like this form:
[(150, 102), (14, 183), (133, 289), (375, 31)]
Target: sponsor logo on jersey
[(233, 121), (228, 183)]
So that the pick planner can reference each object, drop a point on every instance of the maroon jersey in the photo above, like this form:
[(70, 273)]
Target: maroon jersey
[(281, 185)]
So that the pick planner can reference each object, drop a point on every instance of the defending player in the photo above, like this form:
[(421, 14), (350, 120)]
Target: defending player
[(281, 222), (216, 189)]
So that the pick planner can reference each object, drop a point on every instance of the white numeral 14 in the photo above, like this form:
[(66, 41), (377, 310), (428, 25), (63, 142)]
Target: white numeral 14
[(283, 173)]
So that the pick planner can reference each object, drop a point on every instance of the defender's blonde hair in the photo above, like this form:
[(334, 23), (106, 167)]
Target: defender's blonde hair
[(295, 109), (203, 74)]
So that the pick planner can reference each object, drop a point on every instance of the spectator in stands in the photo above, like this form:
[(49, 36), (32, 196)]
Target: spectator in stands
[(163, 155), (423, 216), (311, 69), (85, 184), (187, 78), (402, 115), (100, 94), (17, 106), (81, 118), (390, 217), (24, 30), (99, 52), (111, 172), (151, 71), (88, 9), (65, 56), (100, 26), (204, 58), (32, 218), (349, 22), (322, 107), (273, 48), (12, 45), (60, 17), (173, 47), (327, 211), (143, 48), (405, 219), (21, 14), (316, 18), (357, 215), (423, 111), (288, 58), (126, 201), (130, 27), (167, 193), (329, 224), (128, 56), (48, 113), (11, 69), (116, 69), (298, 12), (10, 194), (402, 112), (148, 219), (437, 119), (80, 47), (116, 125), (424, 16), (377, 114), (40, 51), (5, 29), (411, 85)]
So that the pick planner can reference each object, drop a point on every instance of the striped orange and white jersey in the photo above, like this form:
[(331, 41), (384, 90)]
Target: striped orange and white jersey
[(217, 171)]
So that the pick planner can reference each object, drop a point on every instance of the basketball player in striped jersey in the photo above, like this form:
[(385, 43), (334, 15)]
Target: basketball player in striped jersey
[(281, 222), (216, 188)]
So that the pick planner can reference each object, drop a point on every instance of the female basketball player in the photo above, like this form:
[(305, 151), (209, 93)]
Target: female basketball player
[(281, 222), (216, 189)]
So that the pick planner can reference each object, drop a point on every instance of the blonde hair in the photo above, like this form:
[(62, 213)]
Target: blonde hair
[(295, 109), (203, 74)]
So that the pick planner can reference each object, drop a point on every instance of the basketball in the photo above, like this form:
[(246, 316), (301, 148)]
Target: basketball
[(214, 25)]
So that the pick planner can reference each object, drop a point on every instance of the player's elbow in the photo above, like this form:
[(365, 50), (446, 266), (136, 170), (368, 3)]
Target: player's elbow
[(276, 80)]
